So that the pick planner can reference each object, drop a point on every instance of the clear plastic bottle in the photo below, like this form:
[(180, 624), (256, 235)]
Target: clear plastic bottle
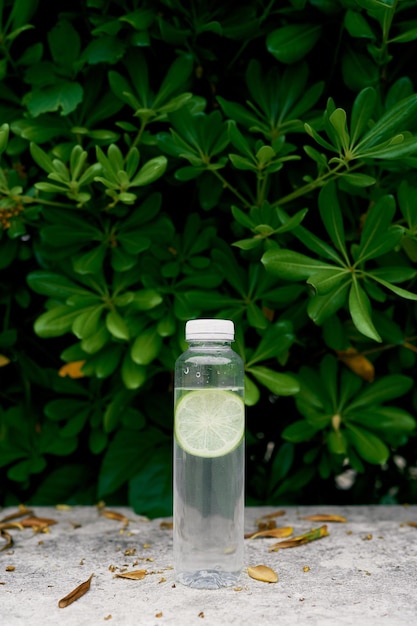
[(209, 458)]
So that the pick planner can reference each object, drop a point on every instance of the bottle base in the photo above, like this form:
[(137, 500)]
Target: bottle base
[(207, 579)]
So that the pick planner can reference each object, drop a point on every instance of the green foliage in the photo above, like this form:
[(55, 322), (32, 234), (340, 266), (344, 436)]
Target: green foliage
[(161, 162)]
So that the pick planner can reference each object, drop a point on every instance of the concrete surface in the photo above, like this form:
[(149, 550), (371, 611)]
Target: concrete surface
[(363, 574)]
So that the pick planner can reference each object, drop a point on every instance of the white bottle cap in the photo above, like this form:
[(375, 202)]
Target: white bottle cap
[(209, 329)]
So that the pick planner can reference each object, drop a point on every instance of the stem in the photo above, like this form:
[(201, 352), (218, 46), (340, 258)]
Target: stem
[(243, 200), (319, 182), (30, 200)]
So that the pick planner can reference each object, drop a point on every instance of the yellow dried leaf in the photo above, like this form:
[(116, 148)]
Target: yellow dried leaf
[(8, 538), (166, 525), (73, 369), (315, 533), (22, 511), (160, 614), (119, 517), (263, 573), (137, 574), (270, 516), (413, 524), (285, 531), (37, 523), (358, 363), (78, 592), (4, 360), (10, 568), (323, 517)]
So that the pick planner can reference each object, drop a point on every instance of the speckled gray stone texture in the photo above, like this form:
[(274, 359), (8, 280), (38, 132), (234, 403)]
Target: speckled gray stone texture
[(363, 574)]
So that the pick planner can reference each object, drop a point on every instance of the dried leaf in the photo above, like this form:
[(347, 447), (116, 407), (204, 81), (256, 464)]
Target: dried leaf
[(325, 518), (4, 360), (119, 517), (267, 524), (73, 369), (166, 525), (263, 573), (285, 531), (358, 363), (413, 524), (270, 516), (314, 533), (78, 592), (22, 511), (8, 538), (137, 574), (37, 523), (10, 568)]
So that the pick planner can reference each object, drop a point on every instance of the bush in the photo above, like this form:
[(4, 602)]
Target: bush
[(163, 161)]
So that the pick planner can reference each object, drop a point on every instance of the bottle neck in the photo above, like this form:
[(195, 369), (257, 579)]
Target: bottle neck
[(209, 343)]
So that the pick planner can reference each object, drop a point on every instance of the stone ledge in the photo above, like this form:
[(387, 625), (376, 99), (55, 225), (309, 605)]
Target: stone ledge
[(363, 573)]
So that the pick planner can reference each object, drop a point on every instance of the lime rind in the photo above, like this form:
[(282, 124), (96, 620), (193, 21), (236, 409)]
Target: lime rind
[(209, 423)]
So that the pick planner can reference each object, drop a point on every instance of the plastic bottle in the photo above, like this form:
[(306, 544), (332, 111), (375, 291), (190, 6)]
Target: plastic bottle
[(209, 458)]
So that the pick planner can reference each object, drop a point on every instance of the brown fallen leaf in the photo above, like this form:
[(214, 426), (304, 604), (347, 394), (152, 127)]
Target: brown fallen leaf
[(325, 517), (413, 524), (10, 568), (263, 573), (270, 516), (119, 517), (166, 525), (36, 523), (8, 538), (22, 511), (136, 574), (358, 363), (76, 593), (285, 531), (314, 533)]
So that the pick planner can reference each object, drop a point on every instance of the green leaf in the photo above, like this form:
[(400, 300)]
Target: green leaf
[(362, 111), (252, 393), (128, 452), (104, 49), (117, 326), (360, 310), (321, 307), (133, 375), (336, 442), (291, 43), (55, 322), (279, 384), (146, 346), (151, 171), (386, 419), (370, 447), (386, 388), (146, 299), (64, 95), (64, 43), (90, 262), (331, 216), (298, 432), (397, 119), (403, 293), (87, 323), (150, 489), (325, 282), (291, 265)]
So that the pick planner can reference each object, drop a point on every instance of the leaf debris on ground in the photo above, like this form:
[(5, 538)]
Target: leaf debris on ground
[(75, 594), (325, 517), (311, 535), (284, 531), (137, 574), (263, 573)]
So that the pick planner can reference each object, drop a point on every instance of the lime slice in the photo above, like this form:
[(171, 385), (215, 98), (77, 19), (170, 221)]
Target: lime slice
[(209, 422)]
